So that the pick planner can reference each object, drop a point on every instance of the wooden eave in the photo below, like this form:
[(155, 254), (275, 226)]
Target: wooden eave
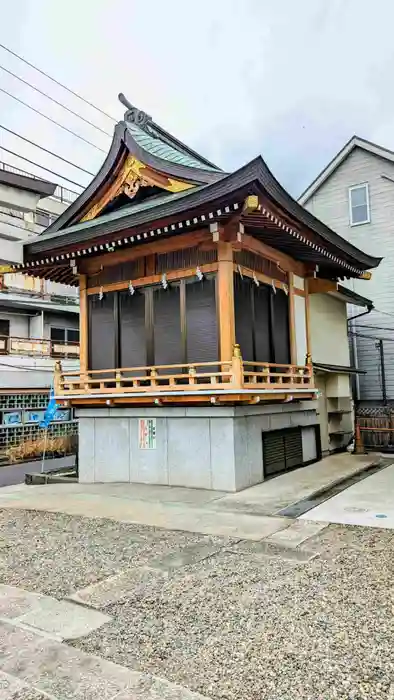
[(303, 236)]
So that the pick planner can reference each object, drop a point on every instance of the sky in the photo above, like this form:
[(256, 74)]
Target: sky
[(291, 80)]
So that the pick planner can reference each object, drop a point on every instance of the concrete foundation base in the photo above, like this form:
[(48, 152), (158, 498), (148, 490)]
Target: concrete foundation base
[(215, 447)]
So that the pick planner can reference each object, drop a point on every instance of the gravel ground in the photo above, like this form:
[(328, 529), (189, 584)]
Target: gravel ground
[(237, 625), (58, 554)]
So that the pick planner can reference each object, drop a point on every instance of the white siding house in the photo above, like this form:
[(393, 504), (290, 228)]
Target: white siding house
[(354, 195), (331, 362)]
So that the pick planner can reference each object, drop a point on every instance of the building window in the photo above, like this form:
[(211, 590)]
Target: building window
[(359, 205), (44, 218), (4, 328), (64, 335)]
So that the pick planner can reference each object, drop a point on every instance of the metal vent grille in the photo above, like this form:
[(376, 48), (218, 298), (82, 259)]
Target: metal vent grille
[(282, 451)]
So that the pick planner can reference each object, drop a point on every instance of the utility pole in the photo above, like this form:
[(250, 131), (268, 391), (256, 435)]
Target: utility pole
[(383, 371)]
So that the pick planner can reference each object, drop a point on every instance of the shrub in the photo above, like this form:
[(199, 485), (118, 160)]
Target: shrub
[(30, 449)]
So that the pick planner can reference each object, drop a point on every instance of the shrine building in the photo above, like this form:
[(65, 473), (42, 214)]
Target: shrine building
[(195, 354)]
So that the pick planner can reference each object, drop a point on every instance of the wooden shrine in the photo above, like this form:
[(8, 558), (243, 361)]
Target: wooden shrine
[(194, 283)]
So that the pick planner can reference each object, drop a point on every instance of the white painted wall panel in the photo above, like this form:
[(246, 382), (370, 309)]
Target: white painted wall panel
[(300, 328), (328, 320)]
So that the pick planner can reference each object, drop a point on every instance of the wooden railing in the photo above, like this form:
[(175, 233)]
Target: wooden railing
[(275, 375), (209, 377), (38, 347)]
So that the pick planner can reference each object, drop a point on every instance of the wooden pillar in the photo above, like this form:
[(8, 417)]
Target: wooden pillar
[(83, 324), (308, 360), (292, 334), (57, 385), (225, 291)]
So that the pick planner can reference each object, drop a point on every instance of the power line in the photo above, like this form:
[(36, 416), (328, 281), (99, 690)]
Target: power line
[(385, 313), (32, 369), (72, 92), (51, 153), (380, 328), (371, 337), (37, 165), (52, 99), (37, 111)]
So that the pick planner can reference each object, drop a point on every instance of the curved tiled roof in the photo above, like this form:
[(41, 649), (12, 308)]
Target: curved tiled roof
[(155, 145)]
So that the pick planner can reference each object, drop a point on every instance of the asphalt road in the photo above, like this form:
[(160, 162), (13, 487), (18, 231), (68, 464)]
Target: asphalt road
[(15, 473)]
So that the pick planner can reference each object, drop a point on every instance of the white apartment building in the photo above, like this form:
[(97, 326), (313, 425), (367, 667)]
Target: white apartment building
[(39, 320)]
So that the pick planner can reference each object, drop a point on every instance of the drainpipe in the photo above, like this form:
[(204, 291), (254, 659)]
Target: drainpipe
[(363, 313), (383, 371)]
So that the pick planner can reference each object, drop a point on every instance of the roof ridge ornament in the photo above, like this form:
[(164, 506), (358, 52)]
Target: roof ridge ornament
[(133, 114)]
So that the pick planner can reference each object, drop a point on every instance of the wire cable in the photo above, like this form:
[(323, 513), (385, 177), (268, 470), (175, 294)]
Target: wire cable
[(29, 369), (37, 111), (376, 328), (72, 92), (372, 337), (37, 165), (60, 104), (51, 153)]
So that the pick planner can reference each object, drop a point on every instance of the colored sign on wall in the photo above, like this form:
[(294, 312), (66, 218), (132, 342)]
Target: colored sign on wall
[(147, 433), (12, 418), (34, 416)]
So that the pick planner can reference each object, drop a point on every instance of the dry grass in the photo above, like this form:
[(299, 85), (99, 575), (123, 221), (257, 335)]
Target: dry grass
[(29, 449)]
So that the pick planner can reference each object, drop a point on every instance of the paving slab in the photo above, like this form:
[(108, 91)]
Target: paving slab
[(191, 554), (170, 516), (368, 503), (39, 668), (14, 639), (158, 689), (62, 619), (13, 689), (131, 582), (298, 532), (15, 602), (67, 673), (266, 549), (9, 685)]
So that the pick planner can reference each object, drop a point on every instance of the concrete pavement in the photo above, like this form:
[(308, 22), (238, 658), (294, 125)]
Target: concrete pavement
[(368, 503), (15, 473), (249, 514)]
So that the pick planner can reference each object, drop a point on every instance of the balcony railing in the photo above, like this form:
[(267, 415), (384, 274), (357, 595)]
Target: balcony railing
[(38, 347), (211, 378), (63, 194)]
